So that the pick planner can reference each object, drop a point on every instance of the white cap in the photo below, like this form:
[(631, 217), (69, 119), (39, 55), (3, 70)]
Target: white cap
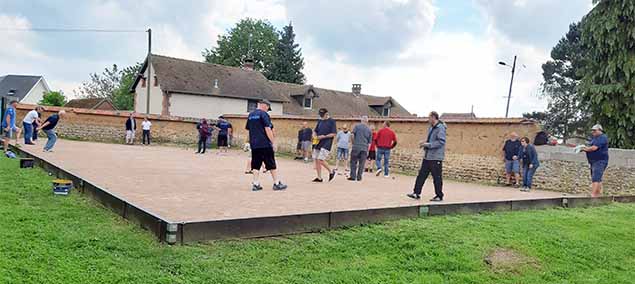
[(597, 127)]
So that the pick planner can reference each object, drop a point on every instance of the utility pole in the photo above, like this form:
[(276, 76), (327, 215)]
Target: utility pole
[(149, 67), (511, 83)]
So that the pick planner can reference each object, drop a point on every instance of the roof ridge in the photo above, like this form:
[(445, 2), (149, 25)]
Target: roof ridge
[(202, 62)]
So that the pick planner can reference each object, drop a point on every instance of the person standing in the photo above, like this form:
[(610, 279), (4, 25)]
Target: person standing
[(362, 137), (131, 128), (530, 163), (30, 118), (343, 140), (324, 132), (372, 151), (8, 124), (597, 153), (203, 134), (305, 136), (434, 154), (386, 141), (36, 125), (262, 143), (49, 128), (511, 155), (145, 127), (224, 132)]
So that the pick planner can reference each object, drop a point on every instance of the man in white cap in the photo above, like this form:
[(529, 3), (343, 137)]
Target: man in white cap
[(597, 153)]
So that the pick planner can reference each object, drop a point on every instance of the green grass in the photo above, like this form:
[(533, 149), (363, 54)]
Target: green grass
[(53, 239)]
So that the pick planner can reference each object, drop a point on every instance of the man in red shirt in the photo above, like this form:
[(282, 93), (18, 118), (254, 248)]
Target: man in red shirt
[(386, 140)]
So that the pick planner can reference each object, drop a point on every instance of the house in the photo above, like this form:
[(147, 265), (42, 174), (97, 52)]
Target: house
[(25, 89), (306, 100), (458, 116), (186, 88), (92, 103)]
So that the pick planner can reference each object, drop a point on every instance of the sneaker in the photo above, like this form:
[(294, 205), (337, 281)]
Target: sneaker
[(437, 198), (414, 195), (378, 172), (317, 180), (351, 179), (331, 175), (386, 176), (249, 172), (256, 187), (279, 186)]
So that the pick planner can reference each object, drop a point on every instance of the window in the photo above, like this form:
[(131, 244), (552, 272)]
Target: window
[(156, 81), (251, 105), (143, 82), (308, 103), (386, 111)]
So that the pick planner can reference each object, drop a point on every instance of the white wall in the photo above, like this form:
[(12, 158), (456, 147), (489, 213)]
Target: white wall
[(36, 94), (156, 96), (210, 107)]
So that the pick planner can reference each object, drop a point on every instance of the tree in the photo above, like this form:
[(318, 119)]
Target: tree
[(53, 98), (288, 63), (113, 84), (566, 114), (253, 39), (608, 78)]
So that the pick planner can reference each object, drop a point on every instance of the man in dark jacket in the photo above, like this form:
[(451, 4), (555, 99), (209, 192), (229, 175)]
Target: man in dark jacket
[(131, 127), (434, 153)]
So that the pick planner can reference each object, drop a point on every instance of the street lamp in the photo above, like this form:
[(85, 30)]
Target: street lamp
[(511, 83)]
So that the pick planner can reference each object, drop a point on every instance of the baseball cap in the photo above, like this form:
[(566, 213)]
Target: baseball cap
[(597, 127), (265, 101)]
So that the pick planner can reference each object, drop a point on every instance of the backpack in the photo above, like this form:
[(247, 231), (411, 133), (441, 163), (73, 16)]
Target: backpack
[(541, 138), (10, 155)]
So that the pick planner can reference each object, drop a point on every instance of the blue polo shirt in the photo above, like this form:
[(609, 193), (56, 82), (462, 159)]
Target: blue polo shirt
[(256, 123), (602, 153), (224, 127), (11, 114)]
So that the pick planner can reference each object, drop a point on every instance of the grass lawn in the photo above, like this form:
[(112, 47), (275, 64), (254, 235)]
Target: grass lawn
[(53, 239)]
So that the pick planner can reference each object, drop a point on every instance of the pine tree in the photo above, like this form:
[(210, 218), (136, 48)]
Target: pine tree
[(288, 63)]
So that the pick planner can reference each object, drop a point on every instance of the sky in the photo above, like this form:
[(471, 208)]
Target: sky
[(427, 54)]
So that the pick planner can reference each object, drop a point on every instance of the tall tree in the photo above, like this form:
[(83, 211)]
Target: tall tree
[(113, 84), (53, 98), (249, 38), (288, 63), (566, 115), (608, 81), (122, 98)]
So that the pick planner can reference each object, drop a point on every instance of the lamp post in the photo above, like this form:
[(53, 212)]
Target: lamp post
[(511, 83)]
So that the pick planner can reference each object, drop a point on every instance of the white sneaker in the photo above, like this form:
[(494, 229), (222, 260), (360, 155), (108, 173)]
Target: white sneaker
[(378, 172), (387, 176)]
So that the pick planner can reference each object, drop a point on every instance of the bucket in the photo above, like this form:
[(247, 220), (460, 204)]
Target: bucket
[(26, 163), (62, 186)]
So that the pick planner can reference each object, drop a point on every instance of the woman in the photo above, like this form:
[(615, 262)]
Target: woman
[(203, 134), (530, 163)]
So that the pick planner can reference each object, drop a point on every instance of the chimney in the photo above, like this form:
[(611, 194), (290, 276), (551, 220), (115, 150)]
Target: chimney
[(357, 89), (248, 64)]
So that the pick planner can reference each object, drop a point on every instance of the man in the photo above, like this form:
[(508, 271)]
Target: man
[(305, 136), (386, 141), (145, 127), (598, 156), (131, 127), (511, 152), (343, 140), (32, 117), (48, 127), (372, 151), (8, 124), (434, 153), (224, 132), (324, 132), (362, 137), (262, 143)]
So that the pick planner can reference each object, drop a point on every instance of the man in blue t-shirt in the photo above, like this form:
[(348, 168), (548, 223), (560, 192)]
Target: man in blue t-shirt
[(49, 128), (8, 125), (224, 132), (324, 131), (597, 153), (511, 153), (262, 144)]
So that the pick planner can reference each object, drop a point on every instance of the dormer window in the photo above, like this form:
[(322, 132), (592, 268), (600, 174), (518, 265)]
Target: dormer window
[(386, 111), (308, 102)]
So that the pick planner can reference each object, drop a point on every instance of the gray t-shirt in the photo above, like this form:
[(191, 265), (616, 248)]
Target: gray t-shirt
[(343, 139), (362, 136)]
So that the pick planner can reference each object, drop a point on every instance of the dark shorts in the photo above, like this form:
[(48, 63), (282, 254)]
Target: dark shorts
[(372, 155), (597, 170), (263, 155), (222, 140)]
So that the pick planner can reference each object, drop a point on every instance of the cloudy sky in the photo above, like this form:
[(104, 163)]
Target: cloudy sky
[(430, 55)]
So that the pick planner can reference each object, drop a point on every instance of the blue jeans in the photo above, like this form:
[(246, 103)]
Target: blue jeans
[(52, 138), (28, 132), (385, 153), (528, 175)]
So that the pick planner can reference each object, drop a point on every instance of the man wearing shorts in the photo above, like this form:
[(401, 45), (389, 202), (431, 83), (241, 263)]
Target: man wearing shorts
[(324, 132), (305, 136), (598, 156), (224, 131), (8, 125), (343, 140), (512, 152), (262, 143)]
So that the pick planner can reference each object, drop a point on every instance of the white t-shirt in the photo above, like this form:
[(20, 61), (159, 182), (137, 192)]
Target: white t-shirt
[(145, 125), (30, 117)]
